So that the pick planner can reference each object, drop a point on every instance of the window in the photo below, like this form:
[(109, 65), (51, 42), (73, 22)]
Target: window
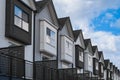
[(96, 63), (80, 56), (50, 37), (108, 74), (89, 61), (68, 48), (101, 68), (21, 19)]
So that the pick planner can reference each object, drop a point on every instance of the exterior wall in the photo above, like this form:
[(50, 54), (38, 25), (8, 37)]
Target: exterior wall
[(63, 36), (88, 63), (43, 20), (6, 42), (66, 53), (44, 45), (80, 41), (105, 74)]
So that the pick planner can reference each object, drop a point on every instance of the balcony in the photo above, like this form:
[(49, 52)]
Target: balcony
[(67, 74), (46, 70), (12, 66)]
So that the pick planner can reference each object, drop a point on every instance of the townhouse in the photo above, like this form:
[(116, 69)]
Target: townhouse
[(107, 69), (16, 37), (88, 59), (95, 63), (65, 44), (101, 66), (37, 45), (79, 52), (46, 39)]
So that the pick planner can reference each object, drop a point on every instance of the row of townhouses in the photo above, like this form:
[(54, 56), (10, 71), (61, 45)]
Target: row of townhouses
[(37, 45)]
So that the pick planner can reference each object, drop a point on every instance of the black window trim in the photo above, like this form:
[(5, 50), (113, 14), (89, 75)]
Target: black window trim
[(13, 32), (21, 18)]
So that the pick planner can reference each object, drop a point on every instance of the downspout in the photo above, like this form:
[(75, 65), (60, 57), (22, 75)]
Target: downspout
[(57, 47), (34, 67)]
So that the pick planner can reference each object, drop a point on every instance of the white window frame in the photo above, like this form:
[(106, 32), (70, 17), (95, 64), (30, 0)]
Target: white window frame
[(50, 39)]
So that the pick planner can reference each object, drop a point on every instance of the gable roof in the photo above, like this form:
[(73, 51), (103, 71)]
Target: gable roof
[(87, 42), (76, 34), (40, 5), (111, 65), (107, 62), (94, 48), (100, 53), (63, 21)]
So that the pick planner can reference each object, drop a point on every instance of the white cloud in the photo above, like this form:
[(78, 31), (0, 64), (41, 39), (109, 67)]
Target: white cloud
[(82, 12), (116, 24)]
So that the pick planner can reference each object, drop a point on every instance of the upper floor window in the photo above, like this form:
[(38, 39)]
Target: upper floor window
[(68, 48), (21, 18), (96, 63), (80, 56), (89, 61), (101, 68), (50, 36)]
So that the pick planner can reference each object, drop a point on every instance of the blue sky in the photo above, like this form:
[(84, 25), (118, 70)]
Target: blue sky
[(99, 20), (108, 21)]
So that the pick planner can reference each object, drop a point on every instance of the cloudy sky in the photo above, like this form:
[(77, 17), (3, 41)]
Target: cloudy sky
[(99, 20)]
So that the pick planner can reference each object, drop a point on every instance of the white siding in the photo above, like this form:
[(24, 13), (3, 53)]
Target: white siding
[(64, 31), (45, 14), (88, 60), (40, 36), (66, 53), (4, 41), (44, 45)]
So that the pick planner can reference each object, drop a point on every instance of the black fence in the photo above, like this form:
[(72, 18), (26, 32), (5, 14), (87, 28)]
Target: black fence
[(46, 70), (12, 64)]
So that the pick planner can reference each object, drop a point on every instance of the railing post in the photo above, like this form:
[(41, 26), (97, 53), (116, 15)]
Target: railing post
[(10, 68), (24, 69)]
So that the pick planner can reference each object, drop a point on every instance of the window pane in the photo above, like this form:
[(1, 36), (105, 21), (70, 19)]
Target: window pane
[(48, 31), (25, 16), (18, 12), (52, 35), (17, 21), (25, 26)]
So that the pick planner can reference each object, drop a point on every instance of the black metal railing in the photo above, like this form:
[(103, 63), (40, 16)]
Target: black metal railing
[(46, 70), (12, 64)]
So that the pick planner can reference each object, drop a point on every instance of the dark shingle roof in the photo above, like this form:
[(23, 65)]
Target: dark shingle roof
[(40, 5), (94, 48), (87, 41), (100, 53), (107, 61), (62, 22), (76, 34)]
